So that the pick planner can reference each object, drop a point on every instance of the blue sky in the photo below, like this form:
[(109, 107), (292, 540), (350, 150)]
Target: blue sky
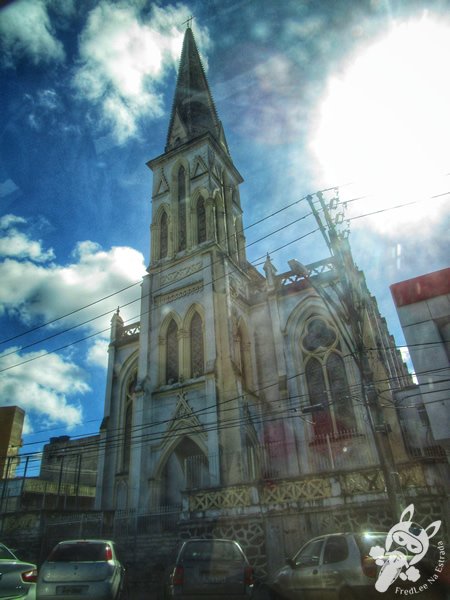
[(312, 95)]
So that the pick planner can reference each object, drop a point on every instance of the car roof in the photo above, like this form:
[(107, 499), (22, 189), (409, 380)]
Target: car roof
[(210, 540), (347, 533), (87, 541)]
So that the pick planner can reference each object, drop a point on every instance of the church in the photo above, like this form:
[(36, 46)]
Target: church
[(238, 402)]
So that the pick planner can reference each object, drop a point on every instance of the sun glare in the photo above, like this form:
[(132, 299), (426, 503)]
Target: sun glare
[(385, 124)]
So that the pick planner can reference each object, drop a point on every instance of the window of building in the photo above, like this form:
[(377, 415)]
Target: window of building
[(197, 346), (326, 380), (128, 421), (181, 208), (201, 221), (172, 353), (163, 236), (243, 357)]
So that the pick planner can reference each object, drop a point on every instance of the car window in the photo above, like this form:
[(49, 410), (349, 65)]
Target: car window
[(336, 549), (365, 541), (78, 552), (211, 550), (5, 554), (309, 556)]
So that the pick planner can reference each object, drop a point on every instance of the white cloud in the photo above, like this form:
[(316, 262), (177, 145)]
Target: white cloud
[(19, 245), (26, 31), (7, 187), (9, 220), (97, 354), (43, 388), (49, 387), (36, 292), (123, 61)]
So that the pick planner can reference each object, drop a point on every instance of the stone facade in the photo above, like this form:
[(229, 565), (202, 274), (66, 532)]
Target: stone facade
[(238, 402)]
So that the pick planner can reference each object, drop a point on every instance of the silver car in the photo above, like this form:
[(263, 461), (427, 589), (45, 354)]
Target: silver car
[(82, 569), (330, 567), (17, 578)]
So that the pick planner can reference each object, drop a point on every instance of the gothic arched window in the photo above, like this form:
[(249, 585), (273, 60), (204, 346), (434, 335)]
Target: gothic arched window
[(172, 353), (197, 346), (181, 208), (340, 393), (163, 236), (326, 380), (128, 421), (201, 221), (243, 356)]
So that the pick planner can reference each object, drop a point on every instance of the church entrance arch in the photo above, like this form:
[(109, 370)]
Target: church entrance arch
[(186, 467)]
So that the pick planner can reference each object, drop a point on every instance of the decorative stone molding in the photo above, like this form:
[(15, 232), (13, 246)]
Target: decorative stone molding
[(292, 491), (130, 331), (362, 482), (231, 497), (180, 293), (176, 275), (412, 476), (185, 420)]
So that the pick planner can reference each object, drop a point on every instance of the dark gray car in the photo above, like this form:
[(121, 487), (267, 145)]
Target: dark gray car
[(210, 569)]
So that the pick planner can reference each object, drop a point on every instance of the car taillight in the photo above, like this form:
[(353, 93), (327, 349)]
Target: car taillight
[(108, 553), (178, 576), (249, 578), (369, 566), (29, 576)]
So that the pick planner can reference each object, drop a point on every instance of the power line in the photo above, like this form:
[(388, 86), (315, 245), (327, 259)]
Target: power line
[(31, 330), (247, 246), (212, 408), (163, 287)]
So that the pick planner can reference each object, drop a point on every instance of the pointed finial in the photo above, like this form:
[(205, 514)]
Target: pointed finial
[(271, 273)]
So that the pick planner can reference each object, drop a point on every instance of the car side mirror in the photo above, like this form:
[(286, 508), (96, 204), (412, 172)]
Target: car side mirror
[(290, 562)]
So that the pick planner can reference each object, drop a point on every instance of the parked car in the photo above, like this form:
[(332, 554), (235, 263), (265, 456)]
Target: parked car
[(210, 569), (17, 578), (339, 567), (82, 569), (332, 567)]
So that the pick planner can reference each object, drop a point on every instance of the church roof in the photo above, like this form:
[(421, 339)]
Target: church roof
[(193, 110)]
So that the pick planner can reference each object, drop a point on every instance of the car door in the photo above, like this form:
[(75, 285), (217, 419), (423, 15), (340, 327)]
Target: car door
[(305, 580), (333, 568)]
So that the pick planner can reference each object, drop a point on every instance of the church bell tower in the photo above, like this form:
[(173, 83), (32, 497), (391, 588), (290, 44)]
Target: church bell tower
[(195, 363)]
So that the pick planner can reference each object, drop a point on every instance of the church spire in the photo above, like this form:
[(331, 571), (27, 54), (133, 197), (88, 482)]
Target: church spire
[(193, 110)]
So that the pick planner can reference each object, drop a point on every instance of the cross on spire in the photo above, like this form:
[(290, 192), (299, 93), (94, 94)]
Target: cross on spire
[(188, 22)]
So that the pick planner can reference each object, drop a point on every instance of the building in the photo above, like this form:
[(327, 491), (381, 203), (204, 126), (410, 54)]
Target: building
[(70, 461), (11, 426), (248, 404), (423, 307), (66, 480)]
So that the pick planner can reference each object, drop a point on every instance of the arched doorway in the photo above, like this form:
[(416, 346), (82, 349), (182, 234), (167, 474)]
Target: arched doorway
[(187, 467)]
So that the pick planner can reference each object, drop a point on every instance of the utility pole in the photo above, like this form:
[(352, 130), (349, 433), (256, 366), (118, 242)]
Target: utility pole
[(353, 299)]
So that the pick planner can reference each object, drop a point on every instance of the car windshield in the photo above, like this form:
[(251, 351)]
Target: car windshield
[(6, 554), (211, 550), (79, 552)]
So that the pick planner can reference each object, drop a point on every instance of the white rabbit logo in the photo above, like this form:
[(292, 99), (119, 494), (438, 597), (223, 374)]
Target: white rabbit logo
[(406, 543)]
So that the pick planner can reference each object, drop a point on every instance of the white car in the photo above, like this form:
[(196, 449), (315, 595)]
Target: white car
[(17, 578), (82, 568)]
